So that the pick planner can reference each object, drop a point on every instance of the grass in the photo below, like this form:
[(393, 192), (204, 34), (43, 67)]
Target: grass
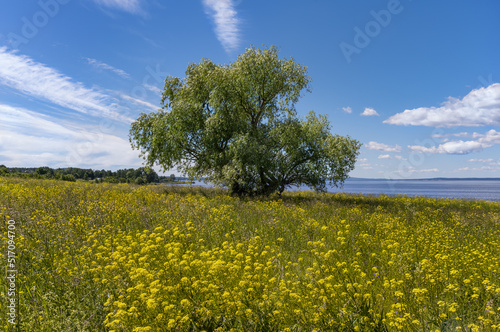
[(102, 257)]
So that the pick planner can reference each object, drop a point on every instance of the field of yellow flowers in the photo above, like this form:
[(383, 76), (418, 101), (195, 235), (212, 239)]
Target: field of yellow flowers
[(102, 257)]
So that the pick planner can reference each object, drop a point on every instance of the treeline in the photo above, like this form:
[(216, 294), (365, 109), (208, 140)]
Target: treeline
[(142, 175)]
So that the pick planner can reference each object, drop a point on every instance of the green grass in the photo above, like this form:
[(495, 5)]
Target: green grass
[(101, 257)]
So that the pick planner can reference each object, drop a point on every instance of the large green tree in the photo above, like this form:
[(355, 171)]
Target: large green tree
[(236, 126)]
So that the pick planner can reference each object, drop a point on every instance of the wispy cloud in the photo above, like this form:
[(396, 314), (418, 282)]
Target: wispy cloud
[(152, 88), (140, 102), (101, 65), (481, 160), (34, 79), (412, 170), (369, 112), (28, 138), (130, 6), (454, 147), (486, 140), (20, 119), (347, 109), (461, 134), (382, 147), (481, 169), (226, 22), (492, 163), (386, 156), (480, 107)]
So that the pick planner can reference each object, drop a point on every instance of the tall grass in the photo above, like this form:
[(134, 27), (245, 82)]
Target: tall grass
[(128, 258)]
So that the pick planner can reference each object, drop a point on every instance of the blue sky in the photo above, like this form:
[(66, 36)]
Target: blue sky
[(417, 82)]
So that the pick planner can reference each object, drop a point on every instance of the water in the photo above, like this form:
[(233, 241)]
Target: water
[(467, 189)]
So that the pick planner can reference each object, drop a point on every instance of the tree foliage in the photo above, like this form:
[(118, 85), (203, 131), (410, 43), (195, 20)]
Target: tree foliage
[(236, 126), (130, 175)]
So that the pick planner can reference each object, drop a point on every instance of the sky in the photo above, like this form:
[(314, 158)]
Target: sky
[(417, 82)]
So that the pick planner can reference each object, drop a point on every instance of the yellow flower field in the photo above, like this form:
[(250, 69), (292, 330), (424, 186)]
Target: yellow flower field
[(97, 257)]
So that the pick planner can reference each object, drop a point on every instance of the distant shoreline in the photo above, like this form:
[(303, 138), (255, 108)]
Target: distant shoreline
[(428, 179)]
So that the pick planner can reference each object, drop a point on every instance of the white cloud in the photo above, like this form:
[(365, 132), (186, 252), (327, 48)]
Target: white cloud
[(153, 88), (347, 109), (412, 170), (131, 6), (101, 65), (486, 140), (489, 160), (461, 134), (454, 147), (382, 147), (27, 150), (140, 102), (481, 107), (386, 156), (16, 118), (28, 138), (490, 137), (427, 170), (226, 22), (34, 79), (482, 169), (369, 112)]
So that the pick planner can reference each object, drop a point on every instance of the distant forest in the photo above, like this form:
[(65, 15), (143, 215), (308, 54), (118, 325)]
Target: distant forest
[(142, 175)]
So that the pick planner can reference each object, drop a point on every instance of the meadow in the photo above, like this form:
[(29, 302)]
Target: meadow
[(119, 257)]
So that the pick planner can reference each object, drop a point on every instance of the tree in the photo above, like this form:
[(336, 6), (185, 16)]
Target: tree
[(236, 126), (130, 175), (45, 171), (151, 175), (68, 177), (110, 179), (3, 170)]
